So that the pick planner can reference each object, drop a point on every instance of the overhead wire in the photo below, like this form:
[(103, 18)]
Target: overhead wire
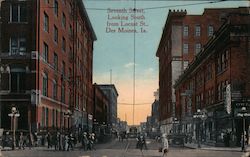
[(165, 7)]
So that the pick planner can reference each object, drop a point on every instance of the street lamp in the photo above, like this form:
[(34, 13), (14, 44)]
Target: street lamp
[(243, 113), (199, 116), (14, 113), (68, 114), (175, 122)]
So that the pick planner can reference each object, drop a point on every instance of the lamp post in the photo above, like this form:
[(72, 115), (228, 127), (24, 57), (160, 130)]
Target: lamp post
[(175, 122), (68, 114), (14, 113), (200, 116), (243, 113)]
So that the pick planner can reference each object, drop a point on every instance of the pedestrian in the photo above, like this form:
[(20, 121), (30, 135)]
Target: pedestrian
[(85, 141), (66, 142), (21, 141), (35, 139), (165, 145), (71, 141), (49, 139)]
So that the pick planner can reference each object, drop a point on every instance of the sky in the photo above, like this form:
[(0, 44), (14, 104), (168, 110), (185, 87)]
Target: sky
[(114, 51)]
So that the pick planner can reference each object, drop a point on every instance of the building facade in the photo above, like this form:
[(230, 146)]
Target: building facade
[(46, 64), (182, 39), (112, 94), (219, 83), (100, 113)]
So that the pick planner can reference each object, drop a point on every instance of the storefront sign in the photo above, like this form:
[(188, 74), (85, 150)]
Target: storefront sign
[(228, 99)]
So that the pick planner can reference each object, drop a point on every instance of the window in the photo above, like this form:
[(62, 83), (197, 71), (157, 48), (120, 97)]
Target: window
[(197, 30), (63, 44), (45, 52), (197, 48), (53, 117), (46, 1), (47, 116), (224, 59), (70, 73), (64, 21), (185, 48), (185, 64), (70, 31), (17, 45), (56, 118), (63, 93), (55, 61), (55, 34), (18, 13), (46, 23), (14, 13), (18, 80), (23, 13), (210, 30), (208, 72), (185, 31), (55, 89), (56, 7), (45, 84), (43, 117), (63, 68)]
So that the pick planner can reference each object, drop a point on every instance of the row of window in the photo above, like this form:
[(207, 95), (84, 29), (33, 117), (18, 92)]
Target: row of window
[(54, 114), (186, 48), (197, 32), (55, 85)]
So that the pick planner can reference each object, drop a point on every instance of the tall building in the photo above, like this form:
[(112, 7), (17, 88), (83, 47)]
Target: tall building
[(219, 82), (112, 94), (46, 64), (182, 40), (100, 112)]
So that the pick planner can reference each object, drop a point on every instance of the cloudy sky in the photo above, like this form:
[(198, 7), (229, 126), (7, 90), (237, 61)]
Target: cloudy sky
[(116, 50)]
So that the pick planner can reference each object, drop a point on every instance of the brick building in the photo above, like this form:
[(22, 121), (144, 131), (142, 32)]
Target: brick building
[(100, 112), (219, 82), (112, 94), (46, 64), (182, 39)]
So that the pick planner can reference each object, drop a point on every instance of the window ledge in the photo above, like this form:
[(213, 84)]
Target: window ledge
[(18, 22)]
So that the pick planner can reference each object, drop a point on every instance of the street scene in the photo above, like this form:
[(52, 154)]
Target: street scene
[(134, 78), (126, 148)]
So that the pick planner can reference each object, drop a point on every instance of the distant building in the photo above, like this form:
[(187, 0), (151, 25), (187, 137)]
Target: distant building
[(219, 82), (112, 94), (46, 64), (100, 110), (182, 40)]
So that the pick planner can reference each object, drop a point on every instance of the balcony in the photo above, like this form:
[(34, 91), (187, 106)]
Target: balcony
[(15, 54)]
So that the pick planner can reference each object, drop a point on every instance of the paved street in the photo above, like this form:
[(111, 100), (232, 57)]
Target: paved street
[(121, 149)]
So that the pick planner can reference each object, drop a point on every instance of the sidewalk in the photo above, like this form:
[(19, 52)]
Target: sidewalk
[(206, 147)]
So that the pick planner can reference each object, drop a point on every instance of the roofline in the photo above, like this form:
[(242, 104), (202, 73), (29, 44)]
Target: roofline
[(109, 85), (169, 18), (85, 14)]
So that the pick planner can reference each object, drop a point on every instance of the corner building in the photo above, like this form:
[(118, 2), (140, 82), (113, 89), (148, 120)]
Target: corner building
[(182, 39), (219, 81), (46, 64)]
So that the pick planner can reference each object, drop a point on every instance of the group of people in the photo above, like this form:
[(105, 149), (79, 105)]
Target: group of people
[(88, 140), (21, 140), (55, 140), (61, 141)]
